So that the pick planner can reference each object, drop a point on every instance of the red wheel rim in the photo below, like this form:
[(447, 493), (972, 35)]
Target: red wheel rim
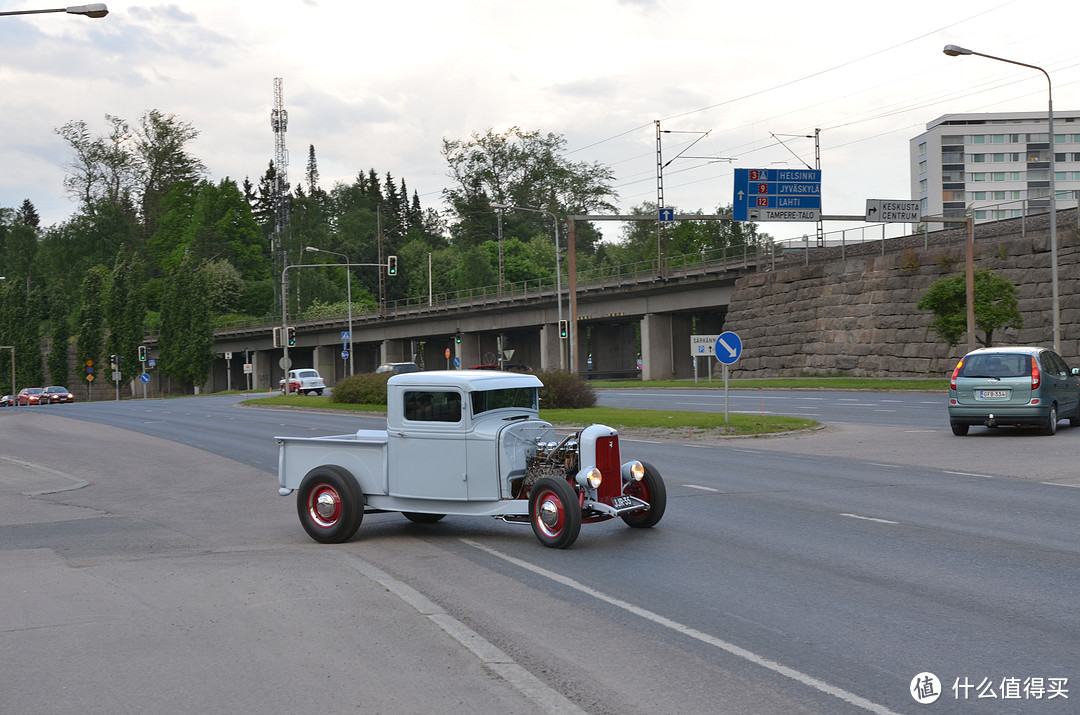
[(324, 505), (550, 514)]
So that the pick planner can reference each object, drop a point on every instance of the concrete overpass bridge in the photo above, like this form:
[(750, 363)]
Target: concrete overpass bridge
[(621, 314)]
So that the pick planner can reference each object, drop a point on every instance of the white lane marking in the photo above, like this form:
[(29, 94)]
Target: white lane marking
[(491, 657), (870, 518), (1052, 484), (704, 489), (969, 474), (723, 645)]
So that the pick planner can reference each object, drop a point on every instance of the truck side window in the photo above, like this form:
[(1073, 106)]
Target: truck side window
[(433, 406)]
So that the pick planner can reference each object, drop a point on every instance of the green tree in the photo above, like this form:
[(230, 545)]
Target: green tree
[(59, 339), (996, 307), (187, 334), (521, 168), (126, 313), (91, 324)]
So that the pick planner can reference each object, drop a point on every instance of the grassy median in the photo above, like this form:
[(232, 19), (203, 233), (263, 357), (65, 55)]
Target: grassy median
[(671, 422)]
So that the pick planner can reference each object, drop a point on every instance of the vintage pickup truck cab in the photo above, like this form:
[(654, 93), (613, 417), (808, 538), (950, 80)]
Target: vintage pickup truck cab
[(468, 443)]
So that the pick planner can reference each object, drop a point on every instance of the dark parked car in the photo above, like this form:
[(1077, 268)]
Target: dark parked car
[(7, 401), (29, 396), (1013, 386), (397, 368), (56, 393)]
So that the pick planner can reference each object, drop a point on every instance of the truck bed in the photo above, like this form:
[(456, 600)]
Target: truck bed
[(362, 454)]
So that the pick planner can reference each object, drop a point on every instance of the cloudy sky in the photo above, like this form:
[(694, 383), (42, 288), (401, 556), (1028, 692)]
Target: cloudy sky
[(381, 84)]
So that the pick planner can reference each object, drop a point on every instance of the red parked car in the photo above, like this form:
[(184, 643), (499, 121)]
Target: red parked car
[(29, 396)]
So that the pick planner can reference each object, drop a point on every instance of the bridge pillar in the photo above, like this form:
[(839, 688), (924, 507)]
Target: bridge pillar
[(614, 350), (396, 351), (552, 348), (665, 347)]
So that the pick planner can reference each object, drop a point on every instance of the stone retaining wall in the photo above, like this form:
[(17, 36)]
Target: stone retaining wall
[(857, 315)]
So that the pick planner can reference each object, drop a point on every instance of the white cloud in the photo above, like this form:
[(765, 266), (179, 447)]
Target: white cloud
[(380, 85)]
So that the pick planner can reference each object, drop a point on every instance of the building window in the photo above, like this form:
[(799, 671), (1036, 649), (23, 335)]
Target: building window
[(978, 176), (946, 140), (1038, 138), (922, 167), (997, 138), (1038, 155), (922, 149), (978, 195), (978, 158), (978, 139), (922, 185)]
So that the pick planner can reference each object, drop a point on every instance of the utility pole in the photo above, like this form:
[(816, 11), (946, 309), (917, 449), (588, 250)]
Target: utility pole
[(279, 122)]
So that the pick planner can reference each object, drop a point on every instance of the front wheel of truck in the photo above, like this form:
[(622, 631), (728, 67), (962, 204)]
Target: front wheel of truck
[(555, 512), (330, 505)]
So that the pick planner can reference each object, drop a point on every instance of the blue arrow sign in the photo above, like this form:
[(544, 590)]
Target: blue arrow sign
[(666, 215), (344, 354), (144, 378), (728, 347)]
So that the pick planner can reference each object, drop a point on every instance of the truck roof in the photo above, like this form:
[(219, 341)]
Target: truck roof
[(468, 380)]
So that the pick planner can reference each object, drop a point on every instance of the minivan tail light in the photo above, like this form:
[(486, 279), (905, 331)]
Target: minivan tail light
[(1036, 376), (955, 372)]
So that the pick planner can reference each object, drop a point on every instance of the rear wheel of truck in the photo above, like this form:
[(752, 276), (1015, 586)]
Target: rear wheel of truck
[(330, 505), (555, 512), (650, 489)]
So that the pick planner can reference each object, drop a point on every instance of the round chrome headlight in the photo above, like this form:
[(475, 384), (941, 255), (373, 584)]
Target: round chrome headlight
[(589, 477), (633, 471)]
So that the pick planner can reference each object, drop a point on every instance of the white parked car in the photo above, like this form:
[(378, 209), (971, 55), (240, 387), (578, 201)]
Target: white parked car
[(468, 443), (304, 382)]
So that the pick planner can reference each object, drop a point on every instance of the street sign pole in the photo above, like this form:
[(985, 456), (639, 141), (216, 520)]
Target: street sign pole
[(728, 348)]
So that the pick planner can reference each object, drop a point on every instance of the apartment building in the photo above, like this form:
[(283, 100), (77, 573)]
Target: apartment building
[(996, 165)]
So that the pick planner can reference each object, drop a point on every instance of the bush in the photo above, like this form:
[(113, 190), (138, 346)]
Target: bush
[(564, 390), (367, 389)]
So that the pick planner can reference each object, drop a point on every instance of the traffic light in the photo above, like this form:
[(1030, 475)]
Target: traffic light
[(391, 265), (564, 329), (142, 353), (457, 337), (292, 336), (113, 362), (279, 341)]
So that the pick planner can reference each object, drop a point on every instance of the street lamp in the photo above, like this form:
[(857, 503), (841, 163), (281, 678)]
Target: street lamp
[(954, 51), (348, 289), (94, 10), (558, 273)]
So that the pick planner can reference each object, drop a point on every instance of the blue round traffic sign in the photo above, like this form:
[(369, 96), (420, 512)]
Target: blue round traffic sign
[(144, 378), (728, 347)]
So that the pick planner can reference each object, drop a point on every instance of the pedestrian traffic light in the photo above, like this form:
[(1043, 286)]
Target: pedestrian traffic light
[(292, 336), (564, 329), (391, 265), (142, 353)]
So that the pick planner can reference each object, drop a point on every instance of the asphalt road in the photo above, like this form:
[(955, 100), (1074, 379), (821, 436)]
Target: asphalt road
[(811, 573)]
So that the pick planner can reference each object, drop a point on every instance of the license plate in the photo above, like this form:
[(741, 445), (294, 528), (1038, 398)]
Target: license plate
[(993, 394), (622, 502)]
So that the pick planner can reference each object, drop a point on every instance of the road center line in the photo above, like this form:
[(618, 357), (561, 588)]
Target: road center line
[(969, 474), (870, 518), (704, 489), (723, 645)]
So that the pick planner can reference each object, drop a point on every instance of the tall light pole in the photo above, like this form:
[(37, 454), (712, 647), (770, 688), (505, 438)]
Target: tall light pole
[(558, 274), (348, 289), (954, 51), (93, 10), (500, 208)]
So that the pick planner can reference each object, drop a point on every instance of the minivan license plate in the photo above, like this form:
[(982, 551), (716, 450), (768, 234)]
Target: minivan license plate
[(993, 394)]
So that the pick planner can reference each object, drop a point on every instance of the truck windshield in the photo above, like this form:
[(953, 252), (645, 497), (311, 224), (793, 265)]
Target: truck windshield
[(497, 399)]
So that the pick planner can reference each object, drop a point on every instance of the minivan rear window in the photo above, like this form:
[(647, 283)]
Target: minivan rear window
[(996, 365)]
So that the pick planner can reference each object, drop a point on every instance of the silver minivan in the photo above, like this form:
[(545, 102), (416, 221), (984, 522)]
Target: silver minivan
[(1013, 386)]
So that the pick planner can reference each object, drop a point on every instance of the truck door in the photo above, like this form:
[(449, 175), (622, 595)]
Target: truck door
[(427, 457)]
